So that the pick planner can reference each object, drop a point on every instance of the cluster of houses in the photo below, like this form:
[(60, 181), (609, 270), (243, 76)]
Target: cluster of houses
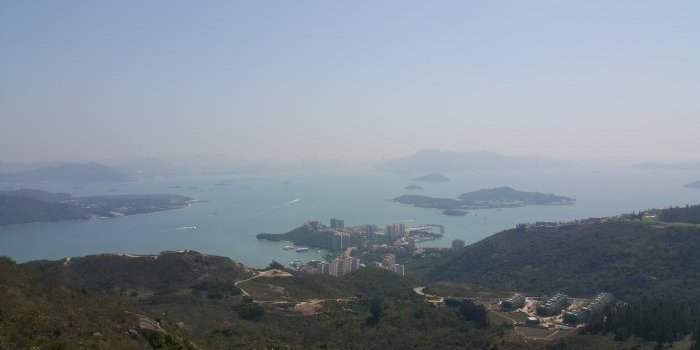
[(553, 306), (585, 313), (559, 307)]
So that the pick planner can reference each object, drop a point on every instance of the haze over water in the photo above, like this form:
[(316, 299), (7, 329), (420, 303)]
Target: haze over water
[(233, 214)]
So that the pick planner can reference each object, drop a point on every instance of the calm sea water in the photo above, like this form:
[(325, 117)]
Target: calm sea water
[(233, 214)]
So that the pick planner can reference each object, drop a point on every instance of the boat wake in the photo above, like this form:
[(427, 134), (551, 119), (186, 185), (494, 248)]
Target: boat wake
[(293, 201)]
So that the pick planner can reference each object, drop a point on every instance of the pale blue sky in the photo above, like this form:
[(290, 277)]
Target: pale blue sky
[(348, 80)]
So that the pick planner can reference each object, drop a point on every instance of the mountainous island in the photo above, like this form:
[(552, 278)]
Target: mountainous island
[(695, 184), (26, 206), (499, 197), (432, 177)]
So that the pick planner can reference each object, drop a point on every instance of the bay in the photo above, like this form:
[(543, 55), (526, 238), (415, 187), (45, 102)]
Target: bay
[(236, 208)]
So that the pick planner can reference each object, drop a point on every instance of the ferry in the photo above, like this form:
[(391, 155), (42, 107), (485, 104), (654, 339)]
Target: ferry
[(302, 250)]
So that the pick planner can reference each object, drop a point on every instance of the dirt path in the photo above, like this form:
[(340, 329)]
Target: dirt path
[(306, 307), (267, 273)]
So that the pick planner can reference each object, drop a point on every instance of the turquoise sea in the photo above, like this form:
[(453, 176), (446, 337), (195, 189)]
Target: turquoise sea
[(232, 214)]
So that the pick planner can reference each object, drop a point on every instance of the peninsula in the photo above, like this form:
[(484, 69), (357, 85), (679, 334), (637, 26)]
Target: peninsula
[(26, 206), (337, 237), (499, 197)]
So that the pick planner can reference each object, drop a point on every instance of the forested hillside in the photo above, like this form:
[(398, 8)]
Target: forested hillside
[(37, 314), (21, 210), (631, 259)]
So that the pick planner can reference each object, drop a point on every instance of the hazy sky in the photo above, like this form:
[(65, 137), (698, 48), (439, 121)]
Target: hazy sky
[(348, 80)]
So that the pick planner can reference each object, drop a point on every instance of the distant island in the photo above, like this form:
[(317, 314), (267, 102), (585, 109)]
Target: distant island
[(499, 197), (413, 187), (432, 177), (695, 184), (66, 173), (449, 161), (689, 165), (26, 206)]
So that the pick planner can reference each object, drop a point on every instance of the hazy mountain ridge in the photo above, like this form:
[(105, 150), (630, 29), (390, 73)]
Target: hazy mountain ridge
[(432, 177), (67, 173), (446, 161), (695, 184), (689, 165)]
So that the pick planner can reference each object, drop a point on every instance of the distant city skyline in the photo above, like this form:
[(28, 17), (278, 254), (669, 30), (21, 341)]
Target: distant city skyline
[(349, 81)]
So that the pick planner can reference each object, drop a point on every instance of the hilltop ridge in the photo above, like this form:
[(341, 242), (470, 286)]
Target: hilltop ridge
[(635, 256)]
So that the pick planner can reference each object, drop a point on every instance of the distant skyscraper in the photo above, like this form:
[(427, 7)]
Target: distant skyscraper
[(339, 241), (333, 268), (370, 230)]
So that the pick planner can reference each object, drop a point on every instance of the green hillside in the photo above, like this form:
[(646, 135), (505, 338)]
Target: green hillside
[(630, 259), (21, 210), (36, 314)]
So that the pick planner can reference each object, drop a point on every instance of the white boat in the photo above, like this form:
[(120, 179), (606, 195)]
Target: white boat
[(302, 250), (288, 247)]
